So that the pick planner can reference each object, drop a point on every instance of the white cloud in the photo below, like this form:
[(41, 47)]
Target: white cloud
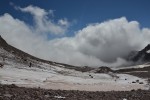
[(106, 43), (17, 32), (63, 22), (109, 40), (97, 44), (43, 23)]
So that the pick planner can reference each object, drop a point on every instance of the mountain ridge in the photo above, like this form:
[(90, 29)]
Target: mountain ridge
[(24, 56), (142, 55)]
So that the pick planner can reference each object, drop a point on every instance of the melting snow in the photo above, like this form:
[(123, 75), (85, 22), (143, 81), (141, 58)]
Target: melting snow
[(51, 79)]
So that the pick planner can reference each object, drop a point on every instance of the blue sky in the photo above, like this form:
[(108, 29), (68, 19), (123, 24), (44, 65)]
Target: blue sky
[(77, 32), (84, 12)]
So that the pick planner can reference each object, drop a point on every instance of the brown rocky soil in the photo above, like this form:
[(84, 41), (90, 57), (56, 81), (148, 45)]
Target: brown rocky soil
[(12, 92)]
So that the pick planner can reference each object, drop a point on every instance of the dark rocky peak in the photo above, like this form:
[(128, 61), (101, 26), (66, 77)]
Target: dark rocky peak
[(2, 42), (143, 55), (147, 48)]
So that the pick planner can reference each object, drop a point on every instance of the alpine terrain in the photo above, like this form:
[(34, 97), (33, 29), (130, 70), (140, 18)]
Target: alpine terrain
[(25, 77)]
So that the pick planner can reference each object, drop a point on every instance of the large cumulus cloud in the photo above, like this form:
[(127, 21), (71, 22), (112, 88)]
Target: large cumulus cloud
[(106, 43)]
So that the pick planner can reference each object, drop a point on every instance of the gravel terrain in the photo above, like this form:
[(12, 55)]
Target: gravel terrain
[(12, 92)]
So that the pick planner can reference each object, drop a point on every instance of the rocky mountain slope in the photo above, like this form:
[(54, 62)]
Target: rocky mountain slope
[(141, 56), (22, 69)]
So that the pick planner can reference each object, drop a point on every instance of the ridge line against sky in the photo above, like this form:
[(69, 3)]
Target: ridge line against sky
[(40, 32)]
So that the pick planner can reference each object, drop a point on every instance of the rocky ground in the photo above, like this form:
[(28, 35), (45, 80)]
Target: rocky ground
[(12, 92), (139, 72)]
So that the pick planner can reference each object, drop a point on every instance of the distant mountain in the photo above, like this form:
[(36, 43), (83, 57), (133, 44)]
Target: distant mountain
[(142, 56)]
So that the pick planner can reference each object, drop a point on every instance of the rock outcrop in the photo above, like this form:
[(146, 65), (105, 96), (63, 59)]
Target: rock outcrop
[(143, 55)]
